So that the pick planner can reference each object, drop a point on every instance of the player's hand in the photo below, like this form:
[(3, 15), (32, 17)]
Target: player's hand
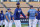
[(26, 17), (13, 20), (8, 20)]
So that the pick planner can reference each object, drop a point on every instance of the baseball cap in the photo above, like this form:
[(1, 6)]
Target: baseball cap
[(18, 3), (8, 9)]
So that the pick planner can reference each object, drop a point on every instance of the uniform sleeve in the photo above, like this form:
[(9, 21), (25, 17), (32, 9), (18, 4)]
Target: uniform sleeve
[(6, 14), (23, 14), (15, 12)]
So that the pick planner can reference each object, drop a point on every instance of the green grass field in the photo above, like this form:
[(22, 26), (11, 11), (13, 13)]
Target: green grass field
[(23, 25), (0, 0)]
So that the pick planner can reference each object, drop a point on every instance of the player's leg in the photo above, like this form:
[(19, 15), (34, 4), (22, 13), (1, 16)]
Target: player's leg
[(17, 23), (3, 23), (30, 21), (6, 23), (34, 22), (10, 23), (39, 23), (0, 23)]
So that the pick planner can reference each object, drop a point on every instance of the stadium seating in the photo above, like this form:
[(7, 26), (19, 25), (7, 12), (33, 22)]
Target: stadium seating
[(1, 5), (12, 6), (4, 10), (25, 10), (35, 4), (23, 4)]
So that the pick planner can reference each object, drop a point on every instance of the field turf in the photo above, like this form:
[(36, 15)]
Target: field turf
[(23, 25), (0, 0)]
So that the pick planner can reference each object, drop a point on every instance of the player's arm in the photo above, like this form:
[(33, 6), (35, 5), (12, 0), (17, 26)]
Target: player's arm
[(10, 17), (28, 14), (13, 19), (14, 15), (7, 17), (23, 14), (36, 13)]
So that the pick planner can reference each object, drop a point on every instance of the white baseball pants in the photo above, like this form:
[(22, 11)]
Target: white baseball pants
[(32, 22), (8, 24), (17, 23)]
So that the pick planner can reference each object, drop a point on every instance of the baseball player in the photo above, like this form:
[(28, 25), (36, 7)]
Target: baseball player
[(31, 14), (16, 15), (38, 17), (2, 18), (8, 18)]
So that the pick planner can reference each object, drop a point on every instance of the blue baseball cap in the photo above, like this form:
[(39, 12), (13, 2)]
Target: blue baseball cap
[(31, 6), (18, 3), (1, 10), (8, 9)]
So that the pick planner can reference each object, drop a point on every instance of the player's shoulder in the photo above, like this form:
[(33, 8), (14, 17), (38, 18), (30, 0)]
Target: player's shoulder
[(29, 10), (34, 9), (6, 12), (16, 9), (20, 9)]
